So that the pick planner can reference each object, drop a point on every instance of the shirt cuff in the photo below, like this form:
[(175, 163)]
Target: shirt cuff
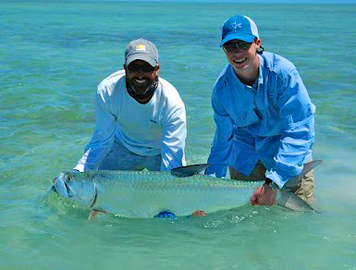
[(79, 167), (216, 170), (276, 178)]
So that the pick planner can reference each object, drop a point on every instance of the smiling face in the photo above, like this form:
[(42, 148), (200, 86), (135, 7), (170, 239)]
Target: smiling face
[(244, 59), (141, 75)]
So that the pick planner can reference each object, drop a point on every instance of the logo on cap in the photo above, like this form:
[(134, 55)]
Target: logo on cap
[(140, 47), (235, 25)]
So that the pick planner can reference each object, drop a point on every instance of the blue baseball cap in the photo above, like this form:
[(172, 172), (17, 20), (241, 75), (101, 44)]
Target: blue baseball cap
[(239, 27)]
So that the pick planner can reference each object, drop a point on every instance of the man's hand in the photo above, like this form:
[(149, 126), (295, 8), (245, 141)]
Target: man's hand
[(264, 195), (199, 214)]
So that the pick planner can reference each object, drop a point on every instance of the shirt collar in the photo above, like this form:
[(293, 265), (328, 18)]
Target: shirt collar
[(258, 81), (260, 69)]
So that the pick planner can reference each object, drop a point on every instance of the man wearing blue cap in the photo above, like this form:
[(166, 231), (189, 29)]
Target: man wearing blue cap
[(264, 117), (140, 118)]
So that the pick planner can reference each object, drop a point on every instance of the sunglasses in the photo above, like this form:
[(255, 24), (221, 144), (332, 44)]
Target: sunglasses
[(146, 68), (233, 46)]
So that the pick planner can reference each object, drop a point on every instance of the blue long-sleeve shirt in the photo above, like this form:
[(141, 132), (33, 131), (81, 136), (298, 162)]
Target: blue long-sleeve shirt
[(272, 122)]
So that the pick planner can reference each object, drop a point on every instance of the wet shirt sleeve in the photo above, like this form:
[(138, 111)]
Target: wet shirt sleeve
[(297, 129), (103, 137)]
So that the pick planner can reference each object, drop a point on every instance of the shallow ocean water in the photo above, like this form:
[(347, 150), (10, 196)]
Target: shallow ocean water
[(53, 56)]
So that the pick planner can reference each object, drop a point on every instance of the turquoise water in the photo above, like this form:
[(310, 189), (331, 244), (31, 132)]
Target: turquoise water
[(53, 55)]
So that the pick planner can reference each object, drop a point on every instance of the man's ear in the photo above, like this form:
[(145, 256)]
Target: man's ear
[(258, 42)]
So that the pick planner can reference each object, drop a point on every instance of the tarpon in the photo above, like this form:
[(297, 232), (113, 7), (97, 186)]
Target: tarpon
[(182, 191)]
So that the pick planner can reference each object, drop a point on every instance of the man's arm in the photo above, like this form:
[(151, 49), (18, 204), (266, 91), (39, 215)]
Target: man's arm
[(221, 148), (297, 115), (103, 136), (173, 139)]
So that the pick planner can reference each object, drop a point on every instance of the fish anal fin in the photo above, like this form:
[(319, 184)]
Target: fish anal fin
[(186, 171)]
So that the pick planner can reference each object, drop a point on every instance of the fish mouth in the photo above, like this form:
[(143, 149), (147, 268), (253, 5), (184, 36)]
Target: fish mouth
[(60, 186), (54, 185), (53, 188)]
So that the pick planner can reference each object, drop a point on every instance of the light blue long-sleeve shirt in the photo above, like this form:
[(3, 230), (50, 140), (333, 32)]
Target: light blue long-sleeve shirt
[(272, 122)]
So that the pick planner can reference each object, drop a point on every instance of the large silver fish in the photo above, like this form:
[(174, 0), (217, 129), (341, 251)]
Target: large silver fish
[(143, 194)]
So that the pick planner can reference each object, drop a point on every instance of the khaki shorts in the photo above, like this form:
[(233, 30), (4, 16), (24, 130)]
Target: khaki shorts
[(304, 189)]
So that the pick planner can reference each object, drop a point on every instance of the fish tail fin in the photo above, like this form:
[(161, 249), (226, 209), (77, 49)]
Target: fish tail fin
[(291, 201), (308, 167)]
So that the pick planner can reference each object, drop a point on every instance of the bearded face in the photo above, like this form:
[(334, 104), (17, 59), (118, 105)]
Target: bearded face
[(140, 84), (140, 75)]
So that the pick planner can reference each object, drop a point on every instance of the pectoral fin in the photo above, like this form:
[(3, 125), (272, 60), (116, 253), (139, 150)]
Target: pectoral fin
[(94, 213), (199, 214)]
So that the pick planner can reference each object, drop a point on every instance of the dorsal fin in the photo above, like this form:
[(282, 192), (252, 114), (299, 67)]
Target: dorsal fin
[(186, 171)]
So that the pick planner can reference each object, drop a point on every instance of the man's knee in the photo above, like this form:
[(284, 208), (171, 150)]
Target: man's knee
[(305, 188)]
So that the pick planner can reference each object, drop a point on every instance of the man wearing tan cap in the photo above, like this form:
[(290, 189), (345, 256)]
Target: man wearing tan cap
[(140, 118)]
